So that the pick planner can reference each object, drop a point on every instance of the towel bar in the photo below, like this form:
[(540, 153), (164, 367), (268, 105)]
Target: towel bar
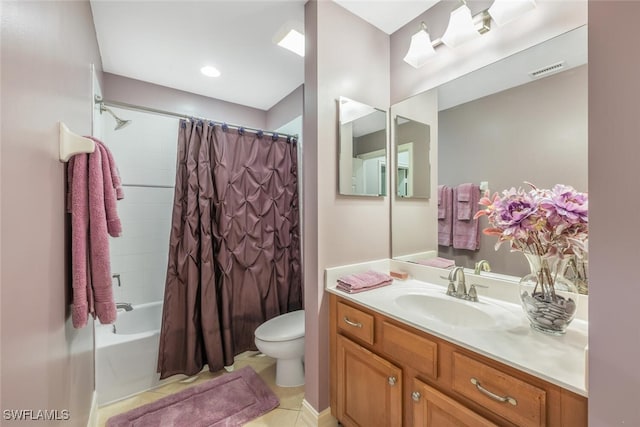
[(72, 144)]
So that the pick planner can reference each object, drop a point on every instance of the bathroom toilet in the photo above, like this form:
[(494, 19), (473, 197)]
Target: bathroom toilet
[(283, 339)]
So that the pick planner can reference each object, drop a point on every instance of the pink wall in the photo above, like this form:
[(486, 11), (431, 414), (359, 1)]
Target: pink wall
[(345, 56), (614, 132), (145, 94), (47, 49)]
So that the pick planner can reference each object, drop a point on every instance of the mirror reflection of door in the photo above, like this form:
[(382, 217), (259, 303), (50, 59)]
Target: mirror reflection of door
[(405, 170), (362, 151), (412, 147)]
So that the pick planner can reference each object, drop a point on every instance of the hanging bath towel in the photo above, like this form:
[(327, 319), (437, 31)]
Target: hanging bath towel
[(466, 233), (91, 201)]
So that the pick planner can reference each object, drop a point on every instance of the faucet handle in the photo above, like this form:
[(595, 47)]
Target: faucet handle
[(473, 293), (451, 289)]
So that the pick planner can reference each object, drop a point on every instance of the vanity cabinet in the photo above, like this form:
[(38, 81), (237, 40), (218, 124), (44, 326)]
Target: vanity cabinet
[(386, 373)]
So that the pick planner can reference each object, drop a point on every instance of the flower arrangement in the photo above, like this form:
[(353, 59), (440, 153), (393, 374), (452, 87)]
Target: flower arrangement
[(541, 222), (546, 225)]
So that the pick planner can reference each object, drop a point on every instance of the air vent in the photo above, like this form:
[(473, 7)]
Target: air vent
[(545, 71)]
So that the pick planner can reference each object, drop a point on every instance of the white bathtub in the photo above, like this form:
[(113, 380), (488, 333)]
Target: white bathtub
[(126, 360)]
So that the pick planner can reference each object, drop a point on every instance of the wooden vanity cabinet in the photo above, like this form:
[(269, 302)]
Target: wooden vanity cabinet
[(386, 373)]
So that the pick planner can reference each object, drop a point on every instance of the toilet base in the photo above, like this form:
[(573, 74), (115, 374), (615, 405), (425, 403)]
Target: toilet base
[(289, 372)]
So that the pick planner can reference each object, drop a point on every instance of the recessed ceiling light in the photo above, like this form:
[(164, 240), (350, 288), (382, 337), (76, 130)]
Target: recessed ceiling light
[(294, 41), (210, 71)]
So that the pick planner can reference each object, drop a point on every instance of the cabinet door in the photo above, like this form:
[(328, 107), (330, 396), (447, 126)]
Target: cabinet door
[(369, 388), (434, 409)]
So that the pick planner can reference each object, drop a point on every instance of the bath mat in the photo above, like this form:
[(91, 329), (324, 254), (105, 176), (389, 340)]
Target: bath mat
[(229, 400)]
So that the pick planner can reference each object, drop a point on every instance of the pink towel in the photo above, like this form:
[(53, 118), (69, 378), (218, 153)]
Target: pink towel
[(90, 184), (368, 288), (445, 223), (358, 282), (112, 189), (437, 262), (441, 204), (464, 200), (466, 233)]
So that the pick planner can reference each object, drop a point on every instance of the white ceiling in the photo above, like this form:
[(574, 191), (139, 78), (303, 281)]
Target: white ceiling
[(167, 42), (387, 15)]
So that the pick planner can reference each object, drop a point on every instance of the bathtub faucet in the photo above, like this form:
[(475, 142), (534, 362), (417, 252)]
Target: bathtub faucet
[(126, 305)]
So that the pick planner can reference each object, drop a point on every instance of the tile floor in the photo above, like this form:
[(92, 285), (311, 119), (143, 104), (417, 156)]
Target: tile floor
[(285, 415)]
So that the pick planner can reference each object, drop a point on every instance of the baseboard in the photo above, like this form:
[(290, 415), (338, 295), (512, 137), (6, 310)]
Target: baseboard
[(309, 417), (93, 413)]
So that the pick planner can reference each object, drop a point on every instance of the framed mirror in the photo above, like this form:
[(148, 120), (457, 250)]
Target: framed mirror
[(521, 119), (362, 162), (413, 166)]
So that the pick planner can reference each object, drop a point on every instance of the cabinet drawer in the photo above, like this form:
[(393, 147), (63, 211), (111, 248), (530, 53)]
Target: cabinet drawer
[(434, 409), (511, 398), (410, 349), (356, 323)]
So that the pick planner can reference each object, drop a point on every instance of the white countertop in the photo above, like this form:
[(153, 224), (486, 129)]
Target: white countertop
[(557, 359)]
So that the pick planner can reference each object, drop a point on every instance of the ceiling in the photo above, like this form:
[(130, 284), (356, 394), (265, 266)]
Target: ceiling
[(167, 42), (389, 15)]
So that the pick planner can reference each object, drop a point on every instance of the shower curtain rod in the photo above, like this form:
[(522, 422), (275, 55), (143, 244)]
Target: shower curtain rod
[(185, 116)]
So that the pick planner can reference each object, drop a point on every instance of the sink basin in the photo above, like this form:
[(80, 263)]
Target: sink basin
[(455, 312)]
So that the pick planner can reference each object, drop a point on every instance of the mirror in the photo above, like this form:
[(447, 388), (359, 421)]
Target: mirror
[(521, 119), (412, 143), (362, 135)]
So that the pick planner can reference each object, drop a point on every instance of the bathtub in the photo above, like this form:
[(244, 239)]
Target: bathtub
[(127, 353)]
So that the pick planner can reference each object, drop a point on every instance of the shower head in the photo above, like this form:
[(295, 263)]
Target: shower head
[(119, 122)]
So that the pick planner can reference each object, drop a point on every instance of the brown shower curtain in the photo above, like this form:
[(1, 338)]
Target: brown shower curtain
[(234, 255)]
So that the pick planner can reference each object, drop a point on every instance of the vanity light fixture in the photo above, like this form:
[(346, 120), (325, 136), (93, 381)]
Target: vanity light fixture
[(505, 11), (420, 49), (293, 41), (210, 71), (461, 27)]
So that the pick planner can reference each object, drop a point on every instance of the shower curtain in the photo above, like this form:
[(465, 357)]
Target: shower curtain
[(234, 255)]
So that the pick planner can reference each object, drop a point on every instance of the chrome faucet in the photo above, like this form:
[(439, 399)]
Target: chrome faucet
[(461, 290), (482, 265), (125, 305)]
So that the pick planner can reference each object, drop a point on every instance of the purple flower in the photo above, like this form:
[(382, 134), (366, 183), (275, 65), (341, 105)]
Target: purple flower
[(541, 221), (515, 213), (565, 206)]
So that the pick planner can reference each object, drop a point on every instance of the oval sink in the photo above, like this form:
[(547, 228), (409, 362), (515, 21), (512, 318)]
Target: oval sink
[(455, 312)]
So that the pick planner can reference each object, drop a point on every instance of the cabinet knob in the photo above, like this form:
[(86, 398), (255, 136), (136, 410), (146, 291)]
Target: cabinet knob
[(416, 396), (392, 380)]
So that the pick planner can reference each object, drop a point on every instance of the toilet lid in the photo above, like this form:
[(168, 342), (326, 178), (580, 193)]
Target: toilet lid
[(285, 327)]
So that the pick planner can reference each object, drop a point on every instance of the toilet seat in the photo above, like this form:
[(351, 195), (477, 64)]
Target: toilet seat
[(285, 327)]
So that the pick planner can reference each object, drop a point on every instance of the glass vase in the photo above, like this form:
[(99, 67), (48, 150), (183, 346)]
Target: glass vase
[(549, 300)]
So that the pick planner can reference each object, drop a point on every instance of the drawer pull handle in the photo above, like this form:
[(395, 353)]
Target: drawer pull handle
[(492, 395), (349, 322), (392, 381), (416, 396)]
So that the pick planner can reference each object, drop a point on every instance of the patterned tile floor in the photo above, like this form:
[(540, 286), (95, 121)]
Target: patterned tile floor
[(285, 415)]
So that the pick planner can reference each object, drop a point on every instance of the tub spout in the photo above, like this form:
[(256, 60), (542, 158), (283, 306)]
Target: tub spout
[(126, 305)]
